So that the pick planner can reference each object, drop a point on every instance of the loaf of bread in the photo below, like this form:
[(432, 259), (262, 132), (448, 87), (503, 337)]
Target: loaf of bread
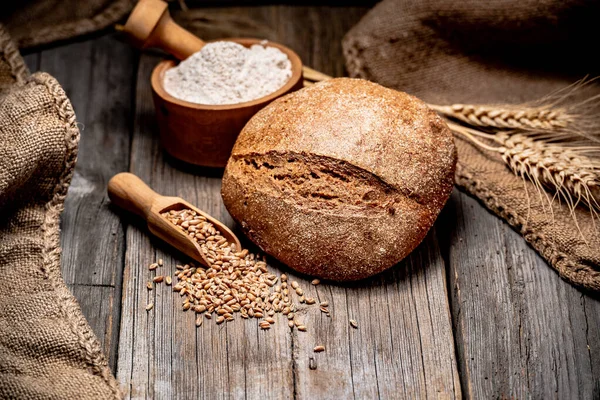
[(342, 179)]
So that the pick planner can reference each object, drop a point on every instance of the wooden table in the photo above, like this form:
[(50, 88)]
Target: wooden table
[(472, 312)]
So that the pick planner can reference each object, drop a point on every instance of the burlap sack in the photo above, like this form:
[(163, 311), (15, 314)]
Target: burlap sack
[(37, 22), (481, 51), (47, 349)]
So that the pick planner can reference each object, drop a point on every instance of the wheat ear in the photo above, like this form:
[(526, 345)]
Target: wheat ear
[(507, 117), (573, 176), (563, 116), (565, 171)]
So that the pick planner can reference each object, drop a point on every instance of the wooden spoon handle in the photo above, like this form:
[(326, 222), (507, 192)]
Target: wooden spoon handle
[(131, 193), (175, 40), (151, 25)]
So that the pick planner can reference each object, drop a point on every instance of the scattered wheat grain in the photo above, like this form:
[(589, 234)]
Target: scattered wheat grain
[(235, 280)]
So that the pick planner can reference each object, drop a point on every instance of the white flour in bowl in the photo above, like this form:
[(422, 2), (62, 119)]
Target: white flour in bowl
[(228, 73)]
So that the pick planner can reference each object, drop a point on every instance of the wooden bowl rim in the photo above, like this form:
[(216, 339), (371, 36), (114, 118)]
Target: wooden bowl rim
[(164, 65)]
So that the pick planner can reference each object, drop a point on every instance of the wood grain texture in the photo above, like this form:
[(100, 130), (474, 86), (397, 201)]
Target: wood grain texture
[(98, 305), (92, 236), (32, 61), (100, 90), (405, 337), (521, 331), (403, 347)]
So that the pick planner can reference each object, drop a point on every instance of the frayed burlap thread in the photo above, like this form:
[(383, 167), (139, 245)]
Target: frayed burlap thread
[(47, 349)]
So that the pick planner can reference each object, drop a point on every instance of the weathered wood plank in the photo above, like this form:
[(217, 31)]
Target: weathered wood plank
[(521, 331), (135, 340), (97, 76), (135, 333), (403, 346), (98, 304), (32, 61)]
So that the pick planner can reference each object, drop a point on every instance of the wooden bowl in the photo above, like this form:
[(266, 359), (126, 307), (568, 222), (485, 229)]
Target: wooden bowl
[(204, 134)]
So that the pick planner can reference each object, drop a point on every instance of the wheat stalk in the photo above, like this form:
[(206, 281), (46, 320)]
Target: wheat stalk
[(573, 176), (565, 171), (548, 142), (507, 117), (563, 116)]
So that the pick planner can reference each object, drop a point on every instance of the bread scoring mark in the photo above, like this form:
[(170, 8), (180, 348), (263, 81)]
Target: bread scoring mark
[(319, 183)]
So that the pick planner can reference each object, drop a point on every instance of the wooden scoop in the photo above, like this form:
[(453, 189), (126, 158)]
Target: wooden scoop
[(132, 194), (151, 25)]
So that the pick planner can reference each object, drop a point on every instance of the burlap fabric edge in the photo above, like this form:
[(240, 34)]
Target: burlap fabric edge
[(49, 34), (51, 250), (576, 274)]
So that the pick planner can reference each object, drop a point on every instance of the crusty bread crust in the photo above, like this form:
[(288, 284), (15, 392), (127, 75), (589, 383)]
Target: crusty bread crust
[(342, 179)]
